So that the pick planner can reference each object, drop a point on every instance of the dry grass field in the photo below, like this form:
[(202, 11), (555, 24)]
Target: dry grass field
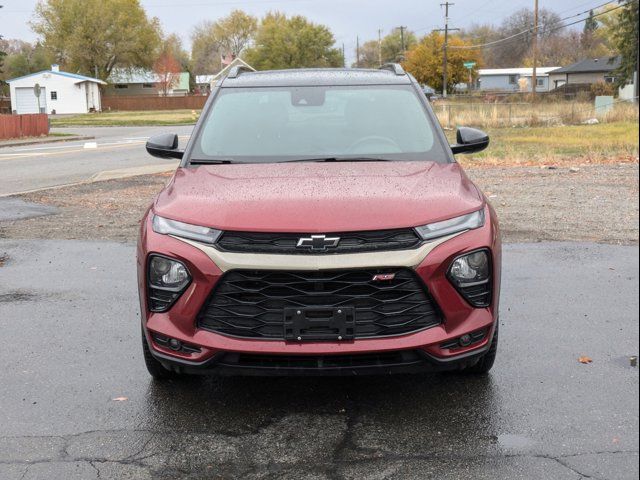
[(569, 145), (494, 115)]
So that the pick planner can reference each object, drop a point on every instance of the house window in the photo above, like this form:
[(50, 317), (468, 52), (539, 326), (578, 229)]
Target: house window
[(540, 82), (54, 95), (147, 85), (513, 79), (121, 86), (609, 79)]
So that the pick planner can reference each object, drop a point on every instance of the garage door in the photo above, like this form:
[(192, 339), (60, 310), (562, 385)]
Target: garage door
[(26, 101)]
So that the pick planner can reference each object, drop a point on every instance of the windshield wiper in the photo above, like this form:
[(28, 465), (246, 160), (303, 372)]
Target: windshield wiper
[(341, 159), (226, 161), (210, 161)]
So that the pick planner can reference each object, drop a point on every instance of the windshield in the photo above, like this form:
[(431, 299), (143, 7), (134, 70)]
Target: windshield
[(276, 124)]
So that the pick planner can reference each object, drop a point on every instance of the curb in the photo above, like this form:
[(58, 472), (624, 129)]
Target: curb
[(47, 140)]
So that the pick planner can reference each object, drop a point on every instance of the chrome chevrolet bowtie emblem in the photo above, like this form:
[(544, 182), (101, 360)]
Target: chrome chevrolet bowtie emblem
[(318, 242)]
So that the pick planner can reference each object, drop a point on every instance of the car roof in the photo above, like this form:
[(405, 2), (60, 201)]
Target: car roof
[(316, 76)]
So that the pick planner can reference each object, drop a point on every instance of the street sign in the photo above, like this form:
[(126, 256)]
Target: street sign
[(469, 65), (36, 91)]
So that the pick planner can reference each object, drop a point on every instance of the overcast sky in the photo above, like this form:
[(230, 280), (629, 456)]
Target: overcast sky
[(346, 18)]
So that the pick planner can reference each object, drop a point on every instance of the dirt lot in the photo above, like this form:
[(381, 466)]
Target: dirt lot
[(588, 203)]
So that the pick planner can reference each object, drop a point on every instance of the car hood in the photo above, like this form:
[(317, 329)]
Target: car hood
[(318, 197)]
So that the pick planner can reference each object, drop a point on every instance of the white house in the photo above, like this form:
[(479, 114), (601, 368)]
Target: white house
[(60, 92), (508, 79)]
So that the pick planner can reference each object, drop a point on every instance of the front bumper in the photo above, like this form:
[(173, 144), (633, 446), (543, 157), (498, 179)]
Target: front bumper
[(210, 352), (397, 362)]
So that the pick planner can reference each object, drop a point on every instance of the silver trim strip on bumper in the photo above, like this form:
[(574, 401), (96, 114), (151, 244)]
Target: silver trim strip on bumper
[(260, 261)]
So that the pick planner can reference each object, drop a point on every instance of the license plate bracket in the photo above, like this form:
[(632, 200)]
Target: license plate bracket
[(319, 324)]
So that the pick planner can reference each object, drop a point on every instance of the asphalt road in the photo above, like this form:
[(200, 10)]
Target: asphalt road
[(76, 401), (114, 151)]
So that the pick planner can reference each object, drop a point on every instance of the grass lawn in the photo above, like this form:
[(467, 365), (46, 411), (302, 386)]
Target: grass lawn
[(601, 143), (127, 119)]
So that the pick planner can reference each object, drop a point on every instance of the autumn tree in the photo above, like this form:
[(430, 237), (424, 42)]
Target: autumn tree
[(24, 58), (608, 18), (167, 70), (479, 34), (393, 42), (388, 49), (172, 44), (95, 36), (235, 32), (292, 42), (228, 36), (206, 51), (424, 61), (2, 54), (513, 52), (368, 55)]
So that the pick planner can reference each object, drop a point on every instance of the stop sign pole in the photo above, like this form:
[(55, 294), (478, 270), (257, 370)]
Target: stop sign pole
[(36, 91), (469, 66)]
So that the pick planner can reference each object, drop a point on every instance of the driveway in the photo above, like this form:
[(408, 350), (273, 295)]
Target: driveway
[(116, 151), (76, 401)]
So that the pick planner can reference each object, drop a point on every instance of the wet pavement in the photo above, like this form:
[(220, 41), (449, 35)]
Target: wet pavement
[(76, 401)]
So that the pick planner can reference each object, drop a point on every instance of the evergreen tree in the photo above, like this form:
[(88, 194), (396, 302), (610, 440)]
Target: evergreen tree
[(590, 24), (626, 41)]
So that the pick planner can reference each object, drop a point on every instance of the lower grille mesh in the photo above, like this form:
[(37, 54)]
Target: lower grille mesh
[(251, 303), (361, 360)]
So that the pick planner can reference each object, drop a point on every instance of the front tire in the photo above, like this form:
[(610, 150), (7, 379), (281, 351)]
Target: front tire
[(486, 362), (154, 367)]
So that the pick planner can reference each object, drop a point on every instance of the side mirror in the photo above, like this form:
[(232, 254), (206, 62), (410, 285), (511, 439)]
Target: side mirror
[(470, 140), (164, 146)]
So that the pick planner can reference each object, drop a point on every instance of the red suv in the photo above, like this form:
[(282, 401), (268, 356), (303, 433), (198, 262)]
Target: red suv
[(318, 223)]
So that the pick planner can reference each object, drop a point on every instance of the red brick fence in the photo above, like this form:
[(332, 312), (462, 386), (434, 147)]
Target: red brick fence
[(16, 126), (152, 102)]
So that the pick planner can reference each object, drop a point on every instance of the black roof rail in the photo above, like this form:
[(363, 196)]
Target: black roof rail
[(237, 70), (396, 68)]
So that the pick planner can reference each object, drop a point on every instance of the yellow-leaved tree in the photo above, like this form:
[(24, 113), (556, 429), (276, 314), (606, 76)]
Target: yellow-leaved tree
[(424, 61)]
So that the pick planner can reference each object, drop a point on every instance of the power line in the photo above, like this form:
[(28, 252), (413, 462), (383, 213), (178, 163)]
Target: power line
[(544, 28), (523, 32)]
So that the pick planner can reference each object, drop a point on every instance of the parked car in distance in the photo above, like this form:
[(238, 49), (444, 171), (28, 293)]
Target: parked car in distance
[(319, 224), (430, 93)]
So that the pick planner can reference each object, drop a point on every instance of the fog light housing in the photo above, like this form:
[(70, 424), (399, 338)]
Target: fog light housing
[(471, 275), (167, 279)]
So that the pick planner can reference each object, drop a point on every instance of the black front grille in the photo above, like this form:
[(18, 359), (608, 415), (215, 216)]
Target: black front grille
[(252, 303), (319, 362), (350, 242)]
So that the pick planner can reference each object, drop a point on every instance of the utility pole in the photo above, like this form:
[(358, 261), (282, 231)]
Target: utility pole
[(402, 39), (344, 59), (446, 31), (357, 52), (379, 47), (534, 78), (637, 73)]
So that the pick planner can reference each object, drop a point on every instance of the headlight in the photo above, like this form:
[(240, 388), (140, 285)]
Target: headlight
[(167, 279), (167, 273), (166, 226), (453, 225), (471, 275)]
